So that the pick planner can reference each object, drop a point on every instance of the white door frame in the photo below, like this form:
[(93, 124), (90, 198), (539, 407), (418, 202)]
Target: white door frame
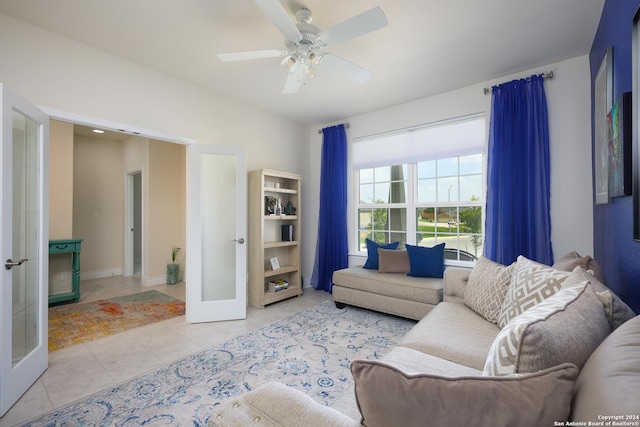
[(129, 222)]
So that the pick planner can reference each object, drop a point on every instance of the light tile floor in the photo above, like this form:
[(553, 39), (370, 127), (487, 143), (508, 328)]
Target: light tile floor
[(81, 370)]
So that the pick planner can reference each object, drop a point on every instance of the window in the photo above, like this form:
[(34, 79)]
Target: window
[(436, 196)]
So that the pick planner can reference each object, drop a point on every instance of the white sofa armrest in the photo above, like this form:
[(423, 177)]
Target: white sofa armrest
[(274, 405), (454, 283)]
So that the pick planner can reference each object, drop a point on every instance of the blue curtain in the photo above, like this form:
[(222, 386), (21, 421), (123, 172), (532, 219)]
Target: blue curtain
[(518, 220), (331, 248)]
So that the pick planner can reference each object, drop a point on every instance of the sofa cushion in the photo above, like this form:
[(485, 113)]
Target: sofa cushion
[(401, 286), (486, 288), (565, 328), (453, 332), (372, 252), (413, 361), (610, 378), (393, 261), (617, 311), (573, 259), (530, 284), (455, 284), (417, 399), (263, 407), (426, 262)]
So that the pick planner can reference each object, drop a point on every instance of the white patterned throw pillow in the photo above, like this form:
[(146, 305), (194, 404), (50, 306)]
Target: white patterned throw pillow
[(486, 288), (531, 283), (565, 328)]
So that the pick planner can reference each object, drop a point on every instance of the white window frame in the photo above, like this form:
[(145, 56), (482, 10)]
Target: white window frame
[(412, 204)]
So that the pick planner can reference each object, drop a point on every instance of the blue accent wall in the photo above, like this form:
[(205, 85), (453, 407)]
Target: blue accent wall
[(614, 247)]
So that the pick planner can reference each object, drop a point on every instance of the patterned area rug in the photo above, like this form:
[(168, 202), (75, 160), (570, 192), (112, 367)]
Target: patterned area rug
[(309, 351), (72, 324)]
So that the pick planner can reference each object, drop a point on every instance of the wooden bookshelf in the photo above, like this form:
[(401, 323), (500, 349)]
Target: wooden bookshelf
[(265, 235)]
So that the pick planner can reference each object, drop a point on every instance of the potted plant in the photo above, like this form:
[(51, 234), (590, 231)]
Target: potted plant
[(173, 269)]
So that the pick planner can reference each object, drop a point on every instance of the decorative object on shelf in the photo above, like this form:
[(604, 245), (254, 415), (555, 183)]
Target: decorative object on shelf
[(619, 147), (173, 269), (275, 265), (287, 233), (278, 285), (269, 205), (289, 209), (279, 207)]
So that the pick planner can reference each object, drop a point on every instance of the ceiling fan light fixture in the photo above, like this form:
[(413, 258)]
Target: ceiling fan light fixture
[(316, 59), (290, 62), (310, 73)]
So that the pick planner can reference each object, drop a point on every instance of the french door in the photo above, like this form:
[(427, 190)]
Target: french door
[(216, 273), (24, 235)]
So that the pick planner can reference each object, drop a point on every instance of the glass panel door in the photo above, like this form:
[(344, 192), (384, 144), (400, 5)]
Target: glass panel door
[(216, 274), (25, 302), (24, 246)]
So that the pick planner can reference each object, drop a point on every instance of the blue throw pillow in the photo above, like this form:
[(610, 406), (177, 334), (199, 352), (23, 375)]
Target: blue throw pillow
[(372, 253), (426, 262)]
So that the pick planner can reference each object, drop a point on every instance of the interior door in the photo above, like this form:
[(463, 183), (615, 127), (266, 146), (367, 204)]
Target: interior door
[(216, 271), (24, 235)]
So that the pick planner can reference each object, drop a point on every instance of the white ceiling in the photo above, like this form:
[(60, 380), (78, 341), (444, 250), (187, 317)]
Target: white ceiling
[(429, 46)]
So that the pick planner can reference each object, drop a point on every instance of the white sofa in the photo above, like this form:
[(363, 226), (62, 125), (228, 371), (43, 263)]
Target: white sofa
[(488, 355)]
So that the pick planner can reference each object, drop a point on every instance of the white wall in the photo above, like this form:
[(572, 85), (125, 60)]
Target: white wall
[(57, 73), (569, 106)]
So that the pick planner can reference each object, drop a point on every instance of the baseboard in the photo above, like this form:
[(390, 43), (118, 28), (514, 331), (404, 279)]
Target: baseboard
[(151, 281), (88, 275)]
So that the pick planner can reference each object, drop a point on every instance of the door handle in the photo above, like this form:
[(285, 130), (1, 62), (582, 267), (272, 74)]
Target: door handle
[(9, 264), (240, 240)]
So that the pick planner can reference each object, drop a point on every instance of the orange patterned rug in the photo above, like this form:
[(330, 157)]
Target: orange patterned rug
[(72, 324)]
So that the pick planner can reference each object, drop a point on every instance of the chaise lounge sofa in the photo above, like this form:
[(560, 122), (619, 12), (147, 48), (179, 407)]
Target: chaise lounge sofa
[(526, 345)]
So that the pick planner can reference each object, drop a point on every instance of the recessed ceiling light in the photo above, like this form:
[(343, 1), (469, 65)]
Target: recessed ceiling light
[(98, 131)]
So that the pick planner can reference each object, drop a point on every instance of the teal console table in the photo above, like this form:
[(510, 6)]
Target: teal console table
[(73, 247)]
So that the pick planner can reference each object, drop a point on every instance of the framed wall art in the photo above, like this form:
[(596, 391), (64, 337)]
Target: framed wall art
[(635, 105), (619, 146), (603, 101)]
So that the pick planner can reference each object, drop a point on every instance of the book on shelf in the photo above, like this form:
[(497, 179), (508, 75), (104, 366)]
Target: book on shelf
[(278, 285)]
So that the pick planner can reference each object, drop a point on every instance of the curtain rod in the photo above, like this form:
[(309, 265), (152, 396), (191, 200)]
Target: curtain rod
[(345, 125), (548, 75)]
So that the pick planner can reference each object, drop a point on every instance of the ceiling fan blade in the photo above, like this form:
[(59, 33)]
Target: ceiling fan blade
[(294, 80), (366, 22), (252, 54), (349, 69), (279, 16)]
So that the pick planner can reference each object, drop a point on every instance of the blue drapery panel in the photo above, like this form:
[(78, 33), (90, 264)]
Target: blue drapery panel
[(331, 248), (518, 219)]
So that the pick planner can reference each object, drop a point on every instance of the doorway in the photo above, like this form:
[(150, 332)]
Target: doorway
[(134, 225)]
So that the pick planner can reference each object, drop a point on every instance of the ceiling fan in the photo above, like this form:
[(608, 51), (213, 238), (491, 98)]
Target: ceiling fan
[(305, 43)]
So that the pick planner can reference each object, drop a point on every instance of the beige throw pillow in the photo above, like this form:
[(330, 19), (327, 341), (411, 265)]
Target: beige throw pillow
[(418, 400), (617, 311), (486, 288), (531, 283), (573, 259), (565, 328), (393, 261)]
